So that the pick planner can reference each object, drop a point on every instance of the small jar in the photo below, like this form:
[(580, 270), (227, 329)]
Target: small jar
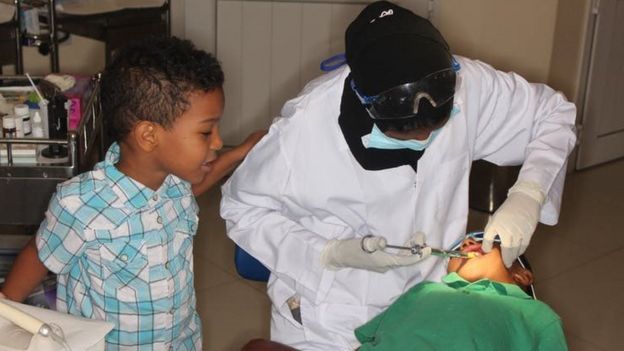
[(8, 127)]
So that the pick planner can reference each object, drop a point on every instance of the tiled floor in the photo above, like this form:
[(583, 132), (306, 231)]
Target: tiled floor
[(579, 267)]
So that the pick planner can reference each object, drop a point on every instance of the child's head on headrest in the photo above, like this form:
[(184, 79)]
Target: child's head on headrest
[(488, 265)]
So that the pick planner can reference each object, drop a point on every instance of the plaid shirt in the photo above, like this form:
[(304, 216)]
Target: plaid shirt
[(124, 253)]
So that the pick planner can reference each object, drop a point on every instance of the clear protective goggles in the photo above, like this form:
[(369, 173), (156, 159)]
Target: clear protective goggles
[(402, 101)]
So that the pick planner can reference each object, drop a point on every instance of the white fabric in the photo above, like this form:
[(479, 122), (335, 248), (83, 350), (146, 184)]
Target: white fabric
[(80, 334), (301, 187), (350, 253), (94, 7), (515, 221)]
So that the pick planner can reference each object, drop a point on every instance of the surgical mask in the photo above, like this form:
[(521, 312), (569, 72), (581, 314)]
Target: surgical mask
[(378, 140)]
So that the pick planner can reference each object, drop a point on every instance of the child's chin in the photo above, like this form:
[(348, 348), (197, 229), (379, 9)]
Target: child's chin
[(195, 179)]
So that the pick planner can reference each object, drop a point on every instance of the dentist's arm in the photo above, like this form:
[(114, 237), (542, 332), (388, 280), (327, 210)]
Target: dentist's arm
[(517, 122)]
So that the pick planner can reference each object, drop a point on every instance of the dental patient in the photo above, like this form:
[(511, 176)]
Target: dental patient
[(480, 305)]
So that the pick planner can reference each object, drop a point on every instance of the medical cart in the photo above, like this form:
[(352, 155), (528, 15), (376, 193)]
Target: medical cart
[(26, 185)]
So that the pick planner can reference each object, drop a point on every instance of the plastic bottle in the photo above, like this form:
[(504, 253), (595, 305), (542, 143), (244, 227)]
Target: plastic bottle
[(37, 126), (8, 127), (22, 111)]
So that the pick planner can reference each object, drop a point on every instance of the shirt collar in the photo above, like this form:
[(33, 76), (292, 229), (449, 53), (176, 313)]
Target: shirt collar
[(132, 192), (454, 281)]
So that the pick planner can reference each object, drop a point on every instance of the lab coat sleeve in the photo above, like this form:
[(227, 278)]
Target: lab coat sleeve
[(518, 122), (258, 220)]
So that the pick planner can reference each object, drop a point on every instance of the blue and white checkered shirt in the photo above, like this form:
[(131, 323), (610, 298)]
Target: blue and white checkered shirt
[(124, 253)]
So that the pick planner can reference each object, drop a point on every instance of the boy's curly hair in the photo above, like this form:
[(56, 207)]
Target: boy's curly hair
[(152, 80)]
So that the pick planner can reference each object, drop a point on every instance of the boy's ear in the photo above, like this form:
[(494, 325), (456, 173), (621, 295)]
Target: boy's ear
[(145, 135), (523, 277)]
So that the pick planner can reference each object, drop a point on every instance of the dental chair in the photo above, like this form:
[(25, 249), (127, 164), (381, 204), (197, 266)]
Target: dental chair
[(29, 328), (248, 267)]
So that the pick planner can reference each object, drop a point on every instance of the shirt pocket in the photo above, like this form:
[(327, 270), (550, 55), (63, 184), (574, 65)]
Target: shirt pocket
[(181, 262), (123, 262)]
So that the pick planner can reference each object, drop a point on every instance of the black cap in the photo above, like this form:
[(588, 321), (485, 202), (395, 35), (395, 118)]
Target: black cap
[(388, 45)]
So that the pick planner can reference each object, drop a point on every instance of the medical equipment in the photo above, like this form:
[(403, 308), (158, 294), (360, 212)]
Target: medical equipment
[(368, 246), (27, 178), (29, 328), (32, 324)]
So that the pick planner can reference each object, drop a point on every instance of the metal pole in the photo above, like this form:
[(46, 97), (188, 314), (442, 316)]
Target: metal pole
[(19, 61), (54, 53)]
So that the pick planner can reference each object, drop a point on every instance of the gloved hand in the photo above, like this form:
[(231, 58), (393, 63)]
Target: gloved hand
[(515, 221), (367, 253)]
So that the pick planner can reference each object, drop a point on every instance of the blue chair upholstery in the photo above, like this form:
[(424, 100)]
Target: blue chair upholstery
[(248, 267)]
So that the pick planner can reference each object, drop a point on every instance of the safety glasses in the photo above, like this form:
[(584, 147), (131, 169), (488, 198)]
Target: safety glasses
[(402, 101)]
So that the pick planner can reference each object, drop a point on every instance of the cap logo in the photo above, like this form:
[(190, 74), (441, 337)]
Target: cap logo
[(386, 13), (383, 14)]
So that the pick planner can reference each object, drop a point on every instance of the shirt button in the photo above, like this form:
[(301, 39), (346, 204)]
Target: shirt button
[(155, 197), (123, 258), (159, 219), (167, 265)]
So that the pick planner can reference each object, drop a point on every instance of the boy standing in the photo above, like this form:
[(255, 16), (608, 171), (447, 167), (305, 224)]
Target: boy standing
[(120, 237)]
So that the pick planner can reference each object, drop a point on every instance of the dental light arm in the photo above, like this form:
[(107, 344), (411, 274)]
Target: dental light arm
[(31, 324), (22, 319)]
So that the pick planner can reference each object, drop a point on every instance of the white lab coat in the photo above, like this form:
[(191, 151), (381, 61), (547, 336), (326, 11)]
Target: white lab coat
[(301, 186)]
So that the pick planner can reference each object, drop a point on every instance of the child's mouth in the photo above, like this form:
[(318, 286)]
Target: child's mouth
[(473, 248), (206, 166)]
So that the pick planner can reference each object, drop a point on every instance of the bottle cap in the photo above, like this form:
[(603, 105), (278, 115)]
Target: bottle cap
[(37, 117), (8, 122), (20, 109)]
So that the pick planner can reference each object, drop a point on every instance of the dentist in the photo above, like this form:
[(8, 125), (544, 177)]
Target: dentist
[(383, 147)]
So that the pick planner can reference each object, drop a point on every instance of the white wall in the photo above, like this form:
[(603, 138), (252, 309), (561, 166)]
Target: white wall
[(566, 65), (508, 34)]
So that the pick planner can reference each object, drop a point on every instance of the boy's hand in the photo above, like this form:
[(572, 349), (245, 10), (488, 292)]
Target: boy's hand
[(252, 139), (227, 161)]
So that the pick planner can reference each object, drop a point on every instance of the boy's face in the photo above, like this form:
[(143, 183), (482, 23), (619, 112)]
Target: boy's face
[(485, 266), (188, 148)]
